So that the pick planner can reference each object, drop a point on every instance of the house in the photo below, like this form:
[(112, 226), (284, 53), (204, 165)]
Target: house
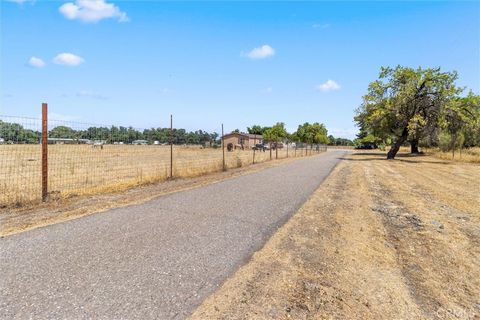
[(68, 141), (242, 140), (140, 142)]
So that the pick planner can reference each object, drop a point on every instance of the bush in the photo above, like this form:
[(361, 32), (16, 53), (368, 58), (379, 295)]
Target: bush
[(445, 141)]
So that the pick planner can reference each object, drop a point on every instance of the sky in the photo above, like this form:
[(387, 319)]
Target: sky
[(134, 63)]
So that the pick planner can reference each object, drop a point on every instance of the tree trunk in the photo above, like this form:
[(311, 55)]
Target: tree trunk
[(454, 144), (397, 144), (414, 146)]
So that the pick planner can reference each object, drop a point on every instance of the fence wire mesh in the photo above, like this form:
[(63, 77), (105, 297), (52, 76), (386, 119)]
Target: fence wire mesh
[(87, 159)]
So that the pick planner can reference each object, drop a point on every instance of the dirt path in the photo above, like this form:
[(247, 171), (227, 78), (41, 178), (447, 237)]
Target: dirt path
[(378, 240)]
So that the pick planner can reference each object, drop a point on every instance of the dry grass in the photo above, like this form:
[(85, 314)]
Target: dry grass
[(82, 170), (464, 155), (33, 215), (378, 240)]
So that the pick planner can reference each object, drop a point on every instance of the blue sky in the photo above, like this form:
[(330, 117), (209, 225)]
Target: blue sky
[(240, 63)]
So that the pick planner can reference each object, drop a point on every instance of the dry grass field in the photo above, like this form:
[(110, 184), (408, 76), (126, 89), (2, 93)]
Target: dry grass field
[(378, 240), (81, 169), (464, 155)]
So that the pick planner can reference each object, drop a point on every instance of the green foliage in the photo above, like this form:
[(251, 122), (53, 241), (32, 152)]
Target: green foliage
[(276, 133), (13, 132), (256, 129), (405, 103), (63, 132), (332, 141), (447, 142), (312, 133), (16, 133)]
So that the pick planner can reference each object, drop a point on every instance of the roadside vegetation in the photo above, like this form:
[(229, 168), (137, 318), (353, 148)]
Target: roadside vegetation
[(419, 107)]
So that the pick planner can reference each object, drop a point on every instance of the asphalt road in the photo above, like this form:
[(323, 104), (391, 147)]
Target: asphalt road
[(156, 260)]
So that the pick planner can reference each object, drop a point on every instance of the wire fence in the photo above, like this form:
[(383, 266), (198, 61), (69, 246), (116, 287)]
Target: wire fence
[(87, 159)]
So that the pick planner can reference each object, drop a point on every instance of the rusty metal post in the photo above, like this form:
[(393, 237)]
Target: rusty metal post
[(287, 149), (44, 152), (171, 146), (253, 162), (223, 152)]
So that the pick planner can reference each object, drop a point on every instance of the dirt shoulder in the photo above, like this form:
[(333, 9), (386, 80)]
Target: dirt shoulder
[(15, 220), (378, 240)]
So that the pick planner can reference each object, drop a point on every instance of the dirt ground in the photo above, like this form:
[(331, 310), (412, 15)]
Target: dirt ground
[(378, 240), (19, 219)]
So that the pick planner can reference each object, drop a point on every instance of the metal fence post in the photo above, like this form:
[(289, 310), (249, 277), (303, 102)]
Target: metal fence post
[(223, 151), (287, 149), (44, 152), (171, 146), (253, 162)]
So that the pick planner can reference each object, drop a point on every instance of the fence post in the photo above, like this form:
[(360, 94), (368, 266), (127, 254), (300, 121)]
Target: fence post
[(223, 151), (287, 149), (44, 152), (254, 146), (295, 153), (171, 146)]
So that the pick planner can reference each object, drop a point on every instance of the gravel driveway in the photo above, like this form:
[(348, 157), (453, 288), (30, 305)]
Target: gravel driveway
[(156, 260)]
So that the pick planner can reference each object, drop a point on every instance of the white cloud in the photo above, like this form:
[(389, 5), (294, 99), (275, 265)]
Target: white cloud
[(90, 94), (262, 52), (68, 59), (36, 62), (330, 85), (321, 25), (92, 11)]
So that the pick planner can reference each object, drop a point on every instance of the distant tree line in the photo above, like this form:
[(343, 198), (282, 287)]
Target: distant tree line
[(308, 133), (418, 107), (13, 132), (315, 133)]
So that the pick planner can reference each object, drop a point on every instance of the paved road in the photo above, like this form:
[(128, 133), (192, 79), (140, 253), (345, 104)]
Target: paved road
[(156, 260)]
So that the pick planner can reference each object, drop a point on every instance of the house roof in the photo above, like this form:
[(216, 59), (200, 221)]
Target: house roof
[(243, 134)]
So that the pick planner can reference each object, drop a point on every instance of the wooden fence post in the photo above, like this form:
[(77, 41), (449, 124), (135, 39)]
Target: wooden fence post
[(171, 146), (223, 151), (44, 152)]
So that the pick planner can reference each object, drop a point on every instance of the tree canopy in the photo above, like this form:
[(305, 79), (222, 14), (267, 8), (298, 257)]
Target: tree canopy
[(312, 133), (13, 132), (406, 104)]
